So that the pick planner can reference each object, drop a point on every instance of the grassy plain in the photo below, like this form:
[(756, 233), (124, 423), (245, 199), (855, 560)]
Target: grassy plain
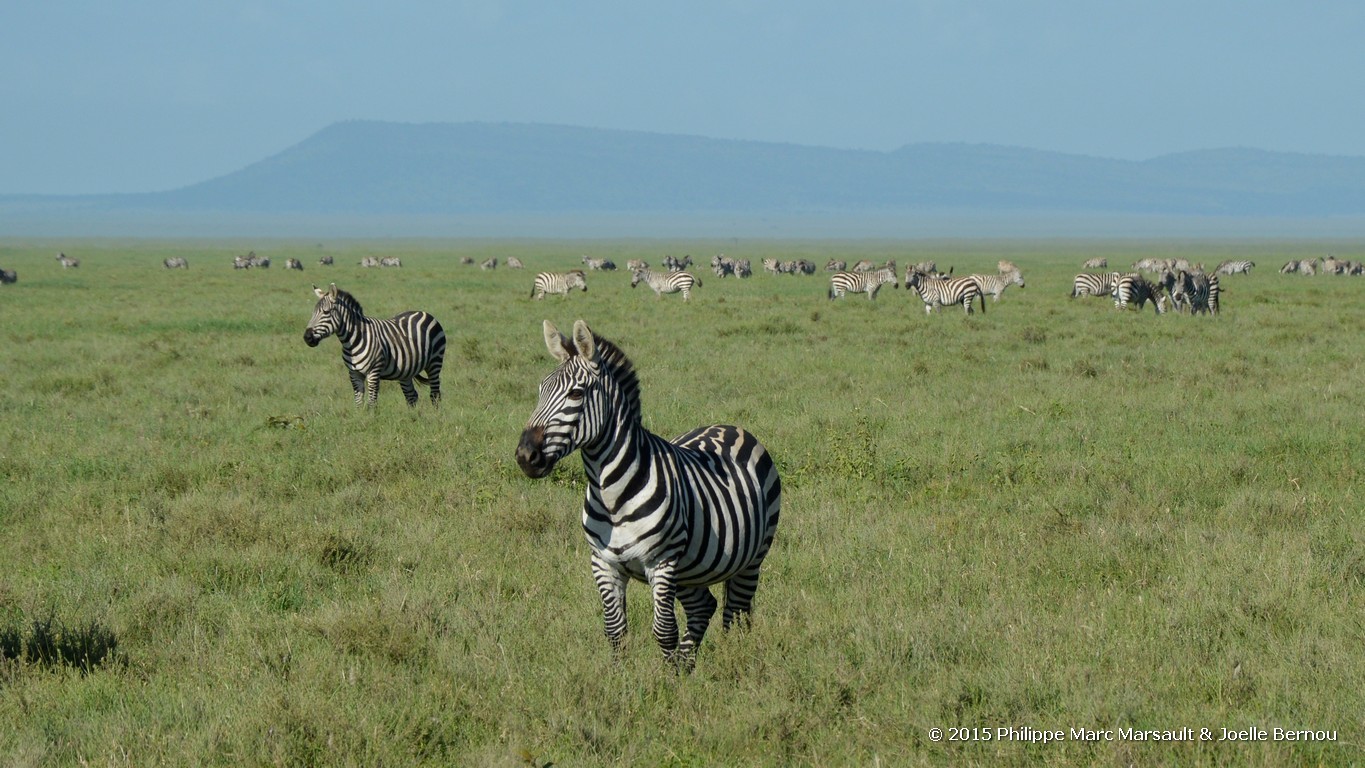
[(1050, 516)]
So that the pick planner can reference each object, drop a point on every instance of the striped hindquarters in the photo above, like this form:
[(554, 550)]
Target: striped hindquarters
[(666, 282), (558, 282), (1094, 284)]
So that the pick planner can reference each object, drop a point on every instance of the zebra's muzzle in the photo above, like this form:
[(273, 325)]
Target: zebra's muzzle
[(530, 456), (310, 338)]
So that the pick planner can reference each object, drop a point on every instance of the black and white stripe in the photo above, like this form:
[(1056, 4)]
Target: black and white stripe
[(679, 515), (410, 346), (1235, 267), (1094, 284), (995, 285), (942, 291), (1193, 292), (666, 282), (558, 282), (841, 283), (176, 262), (1136, 288)]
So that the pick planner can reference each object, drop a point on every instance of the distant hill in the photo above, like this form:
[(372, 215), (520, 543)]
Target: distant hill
[(385, 169)]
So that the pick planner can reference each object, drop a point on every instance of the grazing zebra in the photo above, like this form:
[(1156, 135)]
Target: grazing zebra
[(176, 262), (390, 261), (679, 515), (864, 265), (606, 265), (672, 264), (400, 349), (466, 259), (8, 277), (293, 264), (1193, 291), (940, 291), (67, 262), (1136, 288), (491, 263), (514, 263), (841, 283), (771, 265), (369, 262), (1005, 267), (743, 268), (634, 265), (1235, 267), (558, 282), (994, 285), (325, 261), (1094, 284), (835, 265), (1096, 263), (667, 282)]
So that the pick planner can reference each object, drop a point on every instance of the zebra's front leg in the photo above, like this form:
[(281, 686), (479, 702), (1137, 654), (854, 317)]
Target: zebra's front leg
[(372, 388), (611, 584), (699, 605), (665, 590), (358, 386), (409, 392)]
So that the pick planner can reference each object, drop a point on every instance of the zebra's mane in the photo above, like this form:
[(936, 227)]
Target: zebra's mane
[(616, 365), (345, 299)]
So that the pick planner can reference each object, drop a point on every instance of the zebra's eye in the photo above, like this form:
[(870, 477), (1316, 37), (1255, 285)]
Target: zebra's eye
[(575, 394)]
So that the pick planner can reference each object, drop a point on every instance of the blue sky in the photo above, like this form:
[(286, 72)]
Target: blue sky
[(148, 94)]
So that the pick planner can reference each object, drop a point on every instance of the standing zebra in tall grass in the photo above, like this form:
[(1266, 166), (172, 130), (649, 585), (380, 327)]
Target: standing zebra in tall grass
[(1136, 288), (666, 282), (941, 291), (400, 349), (1094, 284), (995, 285), (1194, 292), (558, 282), (679, 515), (870, 283)]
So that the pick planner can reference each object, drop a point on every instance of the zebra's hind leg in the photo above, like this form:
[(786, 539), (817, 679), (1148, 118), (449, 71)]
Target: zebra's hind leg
[(699, 605), (739, 596), (409, 392), (358, 387)]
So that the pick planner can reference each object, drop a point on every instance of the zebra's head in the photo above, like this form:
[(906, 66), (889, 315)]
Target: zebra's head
[(573, 407), (326, 316), (637, 277)]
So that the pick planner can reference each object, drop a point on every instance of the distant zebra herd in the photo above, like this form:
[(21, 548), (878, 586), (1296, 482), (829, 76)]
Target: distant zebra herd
[(935, 289), (1328, 266), (1179, 285)]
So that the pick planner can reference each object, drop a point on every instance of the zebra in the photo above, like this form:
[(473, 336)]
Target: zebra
[(1098, 262), (176, 262), (369, 262), (772, 265), (293, 264), (841, 283), (1193, 291), (667, 282), (325, 261), (636, 264), (1094, 284), (1134, 287), (864, 265), (467, 260), (390, 261), (1235, 267), (835, 265), (491, 263), (514, 263), (558, 282), (672, 264), (599, 264), (679, 515), (400, 349), (67, 262), (8, 277), (941, 291), (994, 285)]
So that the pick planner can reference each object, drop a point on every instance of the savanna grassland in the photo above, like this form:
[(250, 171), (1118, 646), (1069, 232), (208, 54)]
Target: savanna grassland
[(1051, 516)]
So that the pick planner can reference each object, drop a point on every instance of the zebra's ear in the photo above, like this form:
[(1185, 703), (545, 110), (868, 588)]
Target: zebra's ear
[(332, 291), (584, 341), (558, 344), (318, 291)]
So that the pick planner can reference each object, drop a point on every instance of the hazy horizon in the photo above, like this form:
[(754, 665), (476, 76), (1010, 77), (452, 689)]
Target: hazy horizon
[(160, 95)]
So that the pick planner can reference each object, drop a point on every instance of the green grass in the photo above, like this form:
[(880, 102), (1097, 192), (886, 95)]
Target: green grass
[(1053, 515)]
